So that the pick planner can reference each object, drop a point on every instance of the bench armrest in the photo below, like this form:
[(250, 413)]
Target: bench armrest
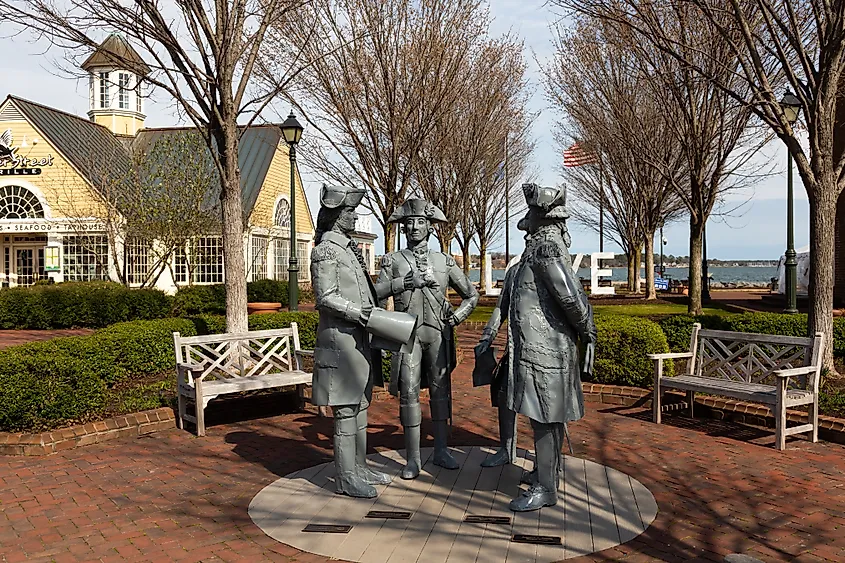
[(793, 372), (304, 352), (670, 356)]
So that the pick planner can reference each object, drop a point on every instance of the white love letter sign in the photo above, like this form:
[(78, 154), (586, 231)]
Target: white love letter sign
[(596, 272)]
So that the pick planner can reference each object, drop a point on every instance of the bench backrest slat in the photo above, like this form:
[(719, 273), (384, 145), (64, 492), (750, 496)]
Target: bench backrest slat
[(750, 357), (225, 356)]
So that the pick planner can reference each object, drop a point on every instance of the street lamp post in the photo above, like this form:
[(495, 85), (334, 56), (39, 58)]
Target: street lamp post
[(791, 107), (292, 131), (662, 242)]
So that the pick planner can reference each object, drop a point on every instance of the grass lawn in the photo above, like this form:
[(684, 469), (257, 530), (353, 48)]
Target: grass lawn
[(482, 313)]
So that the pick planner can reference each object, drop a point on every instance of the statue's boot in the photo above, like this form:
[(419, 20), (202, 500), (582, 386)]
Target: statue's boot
[(507, 438), (412, 452), (544, 492), (442, 457), (347, 481), (368, 475), (529, 478), (410, 415)]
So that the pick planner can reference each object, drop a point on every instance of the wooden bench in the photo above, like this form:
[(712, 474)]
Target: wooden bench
[(221, 364), (778, 371)]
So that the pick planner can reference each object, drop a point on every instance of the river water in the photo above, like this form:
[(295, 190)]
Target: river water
[(749, 275)]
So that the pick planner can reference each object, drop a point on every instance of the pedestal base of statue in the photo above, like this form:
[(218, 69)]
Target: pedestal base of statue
[(598, 508)]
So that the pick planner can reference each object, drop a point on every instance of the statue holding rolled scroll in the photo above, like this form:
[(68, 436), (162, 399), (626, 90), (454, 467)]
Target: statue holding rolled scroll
[(346, 363), (548, 314), (418, 278)]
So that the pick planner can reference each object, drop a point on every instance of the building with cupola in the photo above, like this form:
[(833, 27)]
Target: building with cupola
[(53, 211)]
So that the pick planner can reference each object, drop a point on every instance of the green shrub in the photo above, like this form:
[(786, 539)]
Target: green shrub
[(40, 391), (79, 304), (200, 300), (211, 299), (768, 323), (623, 343), (678, 328), (838, 337)]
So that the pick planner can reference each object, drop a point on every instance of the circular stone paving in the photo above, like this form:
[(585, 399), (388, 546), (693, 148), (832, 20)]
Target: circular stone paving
[(598, 508)]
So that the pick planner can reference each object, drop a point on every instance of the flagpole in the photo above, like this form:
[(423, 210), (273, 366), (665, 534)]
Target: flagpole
[(507, 207), (601, 208)]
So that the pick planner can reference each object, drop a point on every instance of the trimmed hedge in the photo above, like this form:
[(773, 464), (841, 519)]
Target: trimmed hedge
[(65, 380), (79, 304), (211, 299), (678, 328), (623, 343)]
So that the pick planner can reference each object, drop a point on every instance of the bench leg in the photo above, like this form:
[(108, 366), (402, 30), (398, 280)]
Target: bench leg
[(780, 416), (200, 407), (300, 392), (180, 411), (814, 418), (655, 402), (691, 402)]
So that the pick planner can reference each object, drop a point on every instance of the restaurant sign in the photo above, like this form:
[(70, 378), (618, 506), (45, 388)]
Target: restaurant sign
[(13, 164), (48, 226)]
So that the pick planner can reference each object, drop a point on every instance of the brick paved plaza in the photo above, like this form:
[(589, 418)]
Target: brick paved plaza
[(170, 496)]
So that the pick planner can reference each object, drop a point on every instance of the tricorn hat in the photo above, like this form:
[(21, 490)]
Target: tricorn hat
[(551, 200), (337, 196), (417, 208), (522, 225)]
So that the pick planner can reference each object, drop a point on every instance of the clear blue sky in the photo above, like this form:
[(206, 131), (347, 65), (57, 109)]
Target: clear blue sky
[(758, 233)]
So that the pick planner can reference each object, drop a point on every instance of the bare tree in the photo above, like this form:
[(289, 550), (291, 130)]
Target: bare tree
[(462, 164), (203, 56), (621, 124), (380, 76), (714, 131), (775, 43), (151, 201)]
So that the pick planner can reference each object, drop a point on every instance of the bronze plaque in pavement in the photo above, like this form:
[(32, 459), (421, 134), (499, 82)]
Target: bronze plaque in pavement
[(389, 514), (327, 528), (542, 540), (487, 519)]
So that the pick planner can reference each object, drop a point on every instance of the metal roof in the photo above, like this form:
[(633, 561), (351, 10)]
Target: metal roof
[(116, 51), (101, 157), (90, 148), (256, 149)]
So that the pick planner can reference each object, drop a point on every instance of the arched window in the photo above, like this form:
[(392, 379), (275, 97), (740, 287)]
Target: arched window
[(281, 218), (17, 202)]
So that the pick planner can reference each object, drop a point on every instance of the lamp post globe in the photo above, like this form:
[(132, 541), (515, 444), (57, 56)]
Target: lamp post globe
[(292, 131), (791, 107)]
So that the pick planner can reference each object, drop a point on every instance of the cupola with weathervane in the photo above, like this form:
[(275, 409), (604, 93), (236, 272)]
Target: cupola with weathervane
[(115, 79)]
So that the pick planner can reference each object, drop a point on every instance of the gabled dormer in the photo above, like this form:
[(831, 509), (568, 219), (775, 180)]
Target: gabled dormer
[(115, 82)]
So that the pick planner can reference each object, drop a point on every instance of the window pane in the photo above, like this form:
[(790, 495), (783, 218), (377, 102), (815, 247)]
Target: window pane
[(303, 257), (282, 252), (206, 263), (137, 260), (259, 257), (86, 257), (104, 89)]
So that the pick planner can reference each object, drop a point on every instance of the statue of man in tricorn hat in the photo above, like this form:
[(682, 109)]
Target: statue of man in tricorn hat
[(548, 314), (346, 364), (418, 278)]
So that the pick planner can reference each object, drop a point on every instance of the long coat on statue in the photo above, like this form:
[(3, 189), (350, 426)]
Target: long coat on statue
[(548, 313), (344, 369)]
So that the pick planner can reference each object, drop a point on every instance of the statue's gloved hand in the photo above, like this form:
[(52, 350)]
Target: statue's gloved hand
[(485, 342), (452, 320), (366, 310), (414, 280), (589, 358)]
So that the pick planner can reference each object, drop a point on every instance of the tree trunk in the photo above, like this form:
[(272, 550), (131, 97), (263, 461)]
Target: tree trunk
[(631, 256), (822, 253), (638, 286), (234, 263), (465, 254), (695, 237), (650, 291), (482, 277), (389, 238)]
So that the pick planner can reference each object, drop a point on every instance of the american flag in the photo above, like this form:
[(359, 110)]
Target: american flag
[(576, 155)]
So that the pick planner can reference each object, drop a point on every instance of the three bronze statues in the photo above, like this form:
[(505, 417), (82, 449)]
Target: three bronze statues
[(548, 317)]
